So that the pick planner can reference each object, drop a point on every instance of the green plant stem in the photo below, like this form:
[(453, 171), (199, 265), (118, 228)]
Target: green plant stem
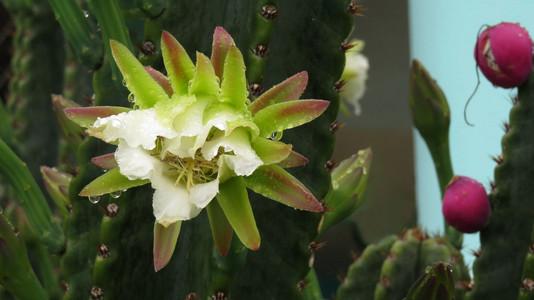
[(31, 199), (113, 27), (441, 156), (78, 31)]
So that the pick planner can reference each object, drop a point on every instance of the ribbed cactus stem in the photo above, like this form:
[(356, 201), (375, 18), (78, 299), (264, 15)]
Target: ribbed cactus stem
[(79, 33), (507, 237), (265, 15), (113, 27)]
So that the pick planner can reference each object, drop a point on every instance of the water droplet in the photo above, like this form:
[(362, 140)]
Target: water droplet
[(94, 199), (124, 82), (131, 98), (276, 136), (86, 14), (115, 194), (124, 190), (136, 107), (104, 170)]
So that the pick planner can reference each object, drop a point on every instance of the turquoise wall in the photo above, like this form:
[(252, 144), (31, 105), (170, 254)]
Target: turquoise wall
[(442, 37)]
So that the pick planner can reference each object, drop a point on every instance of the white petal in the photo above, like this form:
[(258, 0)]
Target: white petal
[(135, 162), (244, 161), (171, 203), (355, 76), (137, 128), (202, 194)]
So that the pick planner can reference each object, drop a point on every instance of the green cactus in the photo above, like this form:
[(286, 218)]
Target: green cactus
[(510, 226), (386, 270)]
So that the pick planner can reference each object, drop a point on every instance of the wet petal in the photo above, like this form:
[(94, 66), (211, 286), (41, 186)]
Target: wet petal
[(202, 194), (171, 203), (135, 162)]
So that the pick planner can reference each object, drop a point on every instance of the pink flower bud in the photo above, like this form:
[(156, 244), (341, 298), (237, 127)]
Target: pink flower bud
[(466, 205), (504, 54)]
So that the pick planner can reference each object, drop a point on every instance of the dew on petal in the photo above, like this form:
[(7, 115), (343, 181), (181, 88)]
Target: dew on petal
[(115, 194), (94, 199), (276, 136)]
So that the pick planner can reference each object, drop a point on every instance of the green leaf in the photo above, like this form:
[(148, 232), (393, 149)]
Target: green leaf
[(165, 239), (286, 115), (233, 200), (204, 82), (234, 83), (289, 89), (221, 229), (180, 68), (222, 42), (275, 183), (111, 181), (86, 116), (146, 90)]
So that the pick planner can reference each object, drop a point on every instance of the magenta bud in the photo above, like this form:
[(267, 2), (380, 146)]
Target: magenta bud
[(504, 54), (466, 205)]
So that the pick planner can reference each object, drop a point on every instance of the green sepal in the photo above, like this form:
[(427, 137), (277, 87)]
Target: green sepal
[(233, 199), (234, 83), (180, 68), (30, 197), (205, 82), (222, 42), (294, 159), (161, 79), (286, 115), (436, 283), (349, 181), (106, 161), (111, 181), (277, 184), (57, 185), (221, 229), (72, 132), (288, 90), (271, 152), (16, 273), (146, 90), (165, 239), (86, 116)]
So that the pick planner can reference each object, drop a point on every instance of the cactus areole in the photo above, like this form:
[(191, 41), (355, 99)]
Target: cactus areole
[(466, 204), (504, 54)]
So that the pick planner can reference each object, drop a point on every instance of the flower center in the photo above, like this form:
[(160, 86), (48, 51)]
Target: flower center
[(191, 171)]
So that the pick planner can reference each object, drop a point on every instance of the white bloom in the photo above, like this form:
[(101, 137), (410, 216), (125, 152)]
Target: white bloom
[(181, 159), (354, 77)]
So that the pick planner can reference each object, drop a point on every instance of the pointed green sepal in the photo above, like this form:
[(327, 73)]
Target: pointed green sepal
[(161, 79), (205, 82), (288, 90), (106, 161), (221, 229), (271, 152), (16, 273), (86, 116), (234, 83), (349, 182), (286, 115), (277, 184), (165, 239), (180, 68), (72, 132), (57, 185), (233, 199), (222, 42), (294, 159), (146, 90), (111, 181), (436, 283)]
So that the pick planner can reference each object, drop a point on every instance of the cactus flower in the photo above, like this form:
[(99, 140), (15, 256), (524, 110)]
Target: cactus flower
[(504, 54), (195, 136), (466, 205), (354, 77)]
